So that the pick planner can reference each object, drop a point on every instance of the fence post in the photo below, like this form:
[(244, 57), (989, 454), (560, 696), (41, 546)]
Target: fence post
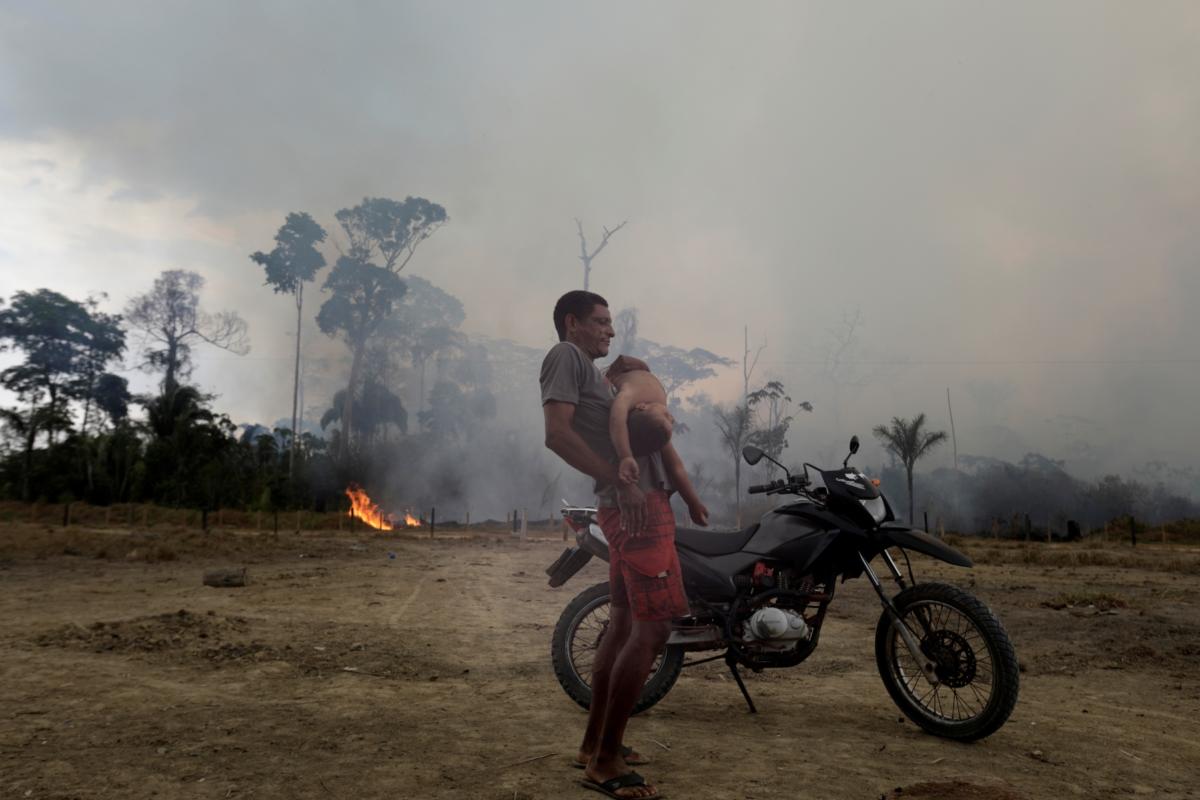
[(524, 523), (467, 524), (432, 520)]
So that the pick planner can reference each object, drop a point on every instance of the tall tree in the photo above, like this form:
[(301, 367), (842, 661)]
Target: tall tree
[(293, 262), (172, 322), (587, 257), (365, 283), (66, 344), (909, 442)]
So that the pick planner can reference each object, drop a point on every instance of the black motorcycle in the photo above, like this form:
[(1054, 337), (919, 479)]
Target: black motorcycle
[(759, 597)]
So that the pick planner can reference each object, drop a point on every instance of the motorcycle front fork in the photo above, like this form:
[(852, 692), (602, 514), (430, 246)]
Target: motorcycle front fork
[(928, 668)]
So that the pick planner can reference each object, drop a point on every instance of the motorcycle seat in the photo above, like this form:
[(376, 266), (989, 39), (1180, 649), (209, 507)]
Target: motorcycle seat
[(713, 543)]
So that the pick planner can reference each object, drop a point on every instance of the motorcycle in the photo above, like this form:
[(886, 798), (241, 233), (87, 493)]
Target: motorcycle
[(758, 598)]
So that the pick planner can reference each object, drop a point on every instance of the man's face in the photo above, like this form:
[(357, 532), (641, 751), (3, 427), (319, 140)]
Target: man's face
[(593, 333)]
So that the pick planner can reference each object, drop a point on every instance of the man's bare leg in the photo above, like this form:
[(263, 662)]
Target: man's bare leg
[(606, 655), (644, 642)]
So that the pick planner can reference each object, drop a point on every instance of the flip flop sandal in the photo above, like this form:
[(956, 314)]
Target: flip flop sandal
[(625, 781), (626, 751)]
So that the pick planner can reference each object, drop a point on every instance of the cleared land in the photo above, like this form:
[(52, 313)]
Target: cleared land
[(390, 665)]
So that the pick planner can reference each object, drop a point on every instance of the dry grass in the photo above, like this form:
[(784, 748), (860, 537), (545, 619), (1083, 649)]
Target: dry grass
[(1087, 553)]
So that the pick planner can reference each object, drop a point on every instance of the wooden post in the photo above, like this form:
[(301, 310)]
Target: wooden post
[(524, 523), (432, 520), (467, 524), (926, 513)]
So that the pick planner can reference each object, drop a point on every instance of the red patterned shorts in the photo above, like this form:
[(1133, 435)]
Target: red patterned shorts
[(643, 570)]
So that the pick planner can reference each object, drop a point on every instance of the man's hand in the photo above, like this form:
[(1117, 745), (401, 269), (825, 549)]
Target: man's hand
[(698, 513), (628, 471), (632, 502)]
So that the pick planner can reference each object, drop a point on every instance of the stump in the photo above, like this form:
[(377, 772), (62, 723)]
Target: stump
[(225, 578)]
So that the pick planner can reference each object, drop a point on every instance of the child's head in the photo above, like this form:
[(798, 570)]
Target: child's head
[(650, 427)]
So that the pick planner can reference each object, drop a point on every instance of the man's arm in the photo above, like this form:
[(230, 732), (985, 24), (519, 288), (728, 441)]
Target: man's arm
[(568, 445), (675, 470)]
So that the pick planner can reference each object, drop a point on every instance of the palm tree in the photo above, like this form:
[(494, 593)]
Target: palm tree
[(909, 443)]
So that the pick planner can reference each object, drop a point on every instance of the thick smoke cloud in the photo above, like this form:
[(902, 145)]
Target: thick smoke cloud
[(1007, 194)]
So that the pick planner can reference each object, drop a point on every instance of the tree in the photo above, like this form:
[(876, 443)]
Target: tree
[(66, 344), (771, 436), (365, 293), (587, 257), (172, 322), (908, 442), (424, 327), (736, 424), (293, 262)]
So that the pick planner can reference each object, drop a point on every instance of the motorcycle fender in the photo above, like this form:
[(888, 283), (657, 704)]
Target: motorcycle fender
[(922, 542), (566, 565)]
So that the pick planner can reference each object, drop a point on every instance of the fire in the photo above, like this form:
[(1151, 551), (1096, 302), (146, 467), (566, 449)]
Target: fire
[(411, 521), (362, 507)]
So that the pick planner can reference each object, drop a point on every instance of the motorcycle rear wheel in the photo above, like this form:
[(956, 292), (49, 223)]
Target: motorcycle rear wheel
[(581, 626), (976, 665)]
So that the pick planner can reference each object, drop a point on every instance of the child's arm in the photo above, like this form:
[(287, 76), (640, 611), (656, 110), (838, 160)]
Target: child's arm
[(673, 465), (618, 431)]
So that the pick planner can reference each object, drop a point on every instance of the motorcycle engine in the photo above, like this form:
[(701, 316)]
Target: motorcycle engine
[(774, 628)]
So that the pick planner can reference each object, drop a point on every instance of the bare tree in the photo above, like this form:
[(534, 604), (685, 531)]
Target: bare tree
[(172, 322), (749, 364), (587, 257), (909, 443), (736, 424)]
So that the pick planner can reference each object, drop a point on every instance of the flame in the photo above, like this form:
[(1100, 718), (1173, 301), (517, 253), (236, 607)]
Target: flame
[(362, 507), (411, 521)]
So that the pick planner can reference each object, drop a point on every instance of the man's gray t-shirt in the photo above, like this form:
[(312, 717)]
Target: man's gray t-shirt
[(569, 376)]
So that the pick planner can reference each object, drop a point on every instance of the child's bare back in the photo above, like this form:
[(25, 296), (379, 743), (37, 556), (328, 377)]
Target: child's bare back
[(639, 422)]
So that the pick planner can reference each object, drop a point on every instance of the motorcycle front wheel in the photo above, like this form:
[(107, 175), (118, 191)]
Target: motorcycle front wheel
[(975, 667), (580, 629)]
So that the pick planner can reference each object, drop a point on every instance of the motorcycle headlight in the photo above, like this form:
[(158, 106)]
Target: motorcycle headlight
[(876, 508)]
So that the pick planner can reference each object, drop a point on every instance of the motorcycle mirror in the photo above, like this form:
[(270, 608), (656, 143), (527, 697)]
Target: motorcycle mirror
[(752, 454), (853, 450)]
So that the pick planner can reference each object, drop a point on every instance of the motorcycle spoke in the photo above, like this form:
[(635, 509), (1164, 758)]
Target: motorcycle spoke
[(943, 627)]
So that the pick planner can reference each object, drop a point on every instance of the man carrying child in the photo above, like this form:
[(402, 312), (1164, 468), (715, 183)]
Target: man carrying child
[(634, 479)]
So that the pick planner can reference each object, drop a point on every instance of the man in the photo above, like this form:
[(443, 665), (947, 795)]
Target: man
[(646, 587)]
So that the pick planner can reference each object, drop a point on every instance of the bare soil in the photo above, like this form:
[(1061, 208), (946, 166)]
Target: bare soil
[(392, 665)]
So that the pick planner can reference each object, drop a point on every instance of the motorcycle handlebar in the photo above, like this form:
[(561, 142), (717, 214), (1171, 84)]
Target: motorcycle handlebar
[(760, 488)]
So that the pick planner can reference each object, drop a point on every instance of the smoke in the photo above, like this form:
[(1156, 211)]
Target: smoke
[(1005, 194)]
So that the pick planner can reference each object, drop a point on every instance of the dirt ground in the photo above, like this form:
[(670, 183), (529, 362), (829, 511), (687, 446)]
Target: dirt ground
[(363, 666)]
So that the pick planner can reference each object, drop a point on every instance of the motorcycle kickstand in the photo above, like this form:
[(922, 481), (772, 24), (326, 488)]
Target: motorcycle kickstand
[(731, 662)]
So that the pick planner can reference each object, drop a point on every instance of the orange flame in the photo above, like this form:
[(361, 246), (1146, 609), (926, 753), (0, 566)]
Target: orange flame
[(411, 521), (362, 508)]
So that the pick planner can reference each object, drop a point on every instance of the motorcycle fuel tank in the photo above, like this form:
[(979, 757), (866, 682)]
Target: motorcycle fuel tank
[(787, 534)]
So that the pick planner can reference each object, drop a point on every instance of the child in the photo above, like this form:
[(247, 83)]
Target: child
[(639, 423)]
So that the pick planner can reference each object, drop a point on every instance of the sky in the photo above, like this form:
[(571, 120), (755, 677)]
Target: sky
[(1005, 194)]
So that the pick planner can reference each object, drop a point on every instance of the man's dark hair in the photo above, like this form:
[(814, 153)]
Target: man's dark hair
[(646, 434), (577, 302)]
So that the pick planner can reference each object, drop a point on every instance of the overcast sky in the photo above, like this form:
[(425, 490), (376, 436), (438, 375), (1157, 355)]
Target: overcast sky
[(1009, 192)]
